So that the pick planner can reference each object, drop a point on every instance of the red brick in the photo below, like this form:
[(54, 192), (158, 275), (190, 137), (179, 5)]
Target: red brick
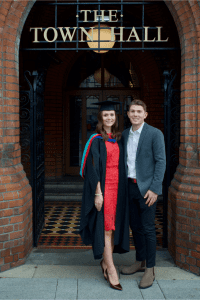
[(16, 227), (3, 205), (8, 228), (195, 254), (16, 235), (195, 206), (16, 219), (5, 268), (10, 195), (181, 203), (182, 258), (17, 263), (183, 235), (8, 259), (195, 270), (191, 261), (1, 261), (9, 244), (8, 212), (195, 238), (196, 189), (4, 237), (195, 222), (5, 253), (17, 249), (182, 265), (5, 179), (182, 251), (191, 213), (183, 220)]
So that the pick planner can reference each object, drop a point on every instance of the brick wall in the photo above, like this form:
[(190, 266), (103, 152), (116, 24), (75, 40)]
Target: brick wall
[(16, 197), (15, 191), (184, 192)]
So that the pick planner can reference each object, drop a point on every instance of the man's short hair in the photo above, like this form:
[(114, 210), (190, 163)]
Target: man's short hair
[(138, 102)]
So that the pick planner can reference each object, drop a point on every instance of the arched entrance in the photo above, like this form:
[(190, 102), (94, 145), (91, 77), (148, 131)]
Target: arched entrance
[(80, 113), (16, 214)]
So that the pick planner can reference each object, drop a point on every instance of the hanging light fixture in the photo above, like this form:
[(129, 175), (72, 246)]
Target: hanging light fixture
[(105, 35), (97, 75)]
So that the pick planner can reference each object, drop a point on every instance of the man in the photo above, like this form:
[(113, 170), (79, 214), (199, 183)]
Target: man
[(145, 164)]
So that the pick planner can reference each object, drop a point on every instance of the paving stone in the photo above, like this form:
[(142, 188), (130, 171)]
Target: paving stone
[(153, 292), (66, 289), (100, 289), (180, 289), (25, 271), (68, 272), (25, 288)]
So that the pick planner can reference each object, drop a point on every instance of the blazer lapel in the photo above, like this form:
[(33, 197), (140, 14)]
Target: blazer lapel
[(142, 136)]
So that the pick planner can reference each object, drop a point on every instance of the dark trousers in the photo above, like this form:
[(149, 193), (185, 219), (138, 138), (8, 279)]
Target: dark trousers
[(142, 223)]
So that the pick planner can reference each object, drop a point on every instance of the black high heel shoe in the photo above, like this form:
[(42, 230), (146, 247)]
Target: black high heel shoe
[(101, 264), (115, 287)]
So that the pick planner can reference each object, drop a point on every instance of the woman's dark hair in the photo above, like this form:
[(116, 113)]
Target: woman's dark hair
[(114, 129)]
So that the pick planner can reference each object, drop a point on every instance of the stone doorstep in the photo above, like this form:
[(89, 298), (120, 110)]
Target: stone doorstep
[(63, 191), (68, 191), (78, 272), (56, 197)]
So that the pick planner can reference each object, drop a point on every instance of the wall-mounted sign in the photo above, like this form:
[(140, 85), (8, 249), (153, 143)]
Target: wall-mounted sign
[(133, 34)]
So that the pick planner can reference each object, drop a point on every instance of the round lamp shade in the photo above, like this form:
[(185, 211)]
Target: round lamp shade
[(105, 34), (97, 75)]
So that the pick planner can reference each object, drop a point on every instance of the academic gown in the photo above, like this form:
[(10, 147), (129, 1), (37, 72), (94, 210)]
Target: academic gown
[(92, 221)]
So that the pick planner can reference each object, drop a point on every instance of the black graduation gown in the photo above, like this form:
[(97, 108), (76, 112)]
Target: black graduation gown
[(92, 221)]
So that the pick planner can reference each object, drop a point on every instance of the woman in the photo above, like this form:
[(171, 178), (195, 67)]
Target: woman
[(104, 213)]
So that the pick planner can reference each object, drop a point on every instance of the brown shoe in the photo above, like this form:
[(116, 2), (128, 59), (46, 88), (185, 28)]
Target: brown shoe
[(136, 267), (147, 279)]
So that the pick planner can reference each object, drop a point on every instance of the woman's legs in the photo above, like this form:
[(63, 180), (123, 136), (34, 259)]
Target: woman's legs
[(108, 257)]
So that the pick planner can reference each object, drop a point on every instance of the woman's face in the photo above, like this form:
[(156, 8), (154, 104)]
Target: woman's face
[(108, 118)]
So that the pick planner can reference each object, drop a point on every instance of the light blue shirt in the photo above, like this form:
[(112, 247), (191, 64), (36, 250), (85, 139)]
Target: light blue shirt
[(132, 145)]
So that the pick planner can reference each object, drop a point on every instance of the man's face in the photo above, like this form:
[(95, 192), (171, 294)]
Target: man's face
[(137, 115)]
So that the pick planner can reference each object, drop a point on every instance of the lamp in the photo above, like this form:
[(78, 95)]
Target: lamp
[(97, 75), (105, 34)]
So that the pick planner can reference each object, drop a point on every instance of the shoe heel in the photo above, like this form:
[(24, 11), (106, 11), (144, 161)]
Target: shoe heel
[(115, 287)]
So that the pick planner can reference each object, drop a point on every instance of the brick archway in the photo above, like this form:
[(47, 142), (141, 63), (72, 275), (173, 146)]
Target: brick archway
[(184, 192), (16, 197)]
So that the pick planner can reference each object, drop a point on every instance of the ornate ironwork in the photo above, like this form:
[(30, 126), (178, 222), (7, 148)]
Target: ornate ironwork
[(25, 130), (32, 139), (172, 138)]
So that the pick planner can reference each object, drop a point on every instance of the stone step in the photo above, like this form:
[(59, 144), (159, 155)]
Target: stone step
[(48, 197), (67, 191), (64, 185), (63, 189)]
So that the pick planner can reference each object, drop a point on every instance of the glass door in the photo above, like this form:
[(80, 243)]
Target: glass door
[(81, 120), (80, 124)]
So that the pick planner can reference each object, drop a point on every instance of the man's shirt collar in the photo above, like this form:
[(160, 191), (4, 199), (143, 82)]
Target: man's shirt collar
[(138, 130)]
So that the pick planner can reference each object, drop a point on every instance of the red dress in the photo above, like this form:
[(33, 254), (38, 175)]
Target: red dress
[(111, 184)]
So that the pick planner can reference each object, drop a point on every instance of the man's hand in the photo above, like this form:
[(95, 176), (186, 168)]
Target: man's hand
[(98, 202), (151, 197)]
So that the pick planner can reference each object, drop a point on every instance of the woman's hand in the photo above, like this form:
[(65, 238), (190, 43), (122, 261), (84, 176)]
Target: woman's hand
[(98, 202)]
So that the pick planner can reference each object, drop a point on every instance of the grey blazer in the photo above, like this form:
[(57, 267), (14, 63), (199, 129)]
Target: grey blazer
[(150, 159)]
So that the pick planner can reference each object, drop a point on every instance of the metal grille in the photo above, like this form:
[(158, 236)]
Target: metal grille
[(32, 140), (172, 139)]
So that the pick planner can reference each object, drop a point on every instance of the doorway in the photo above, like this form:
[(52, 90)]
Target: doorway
[(81, 120)]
